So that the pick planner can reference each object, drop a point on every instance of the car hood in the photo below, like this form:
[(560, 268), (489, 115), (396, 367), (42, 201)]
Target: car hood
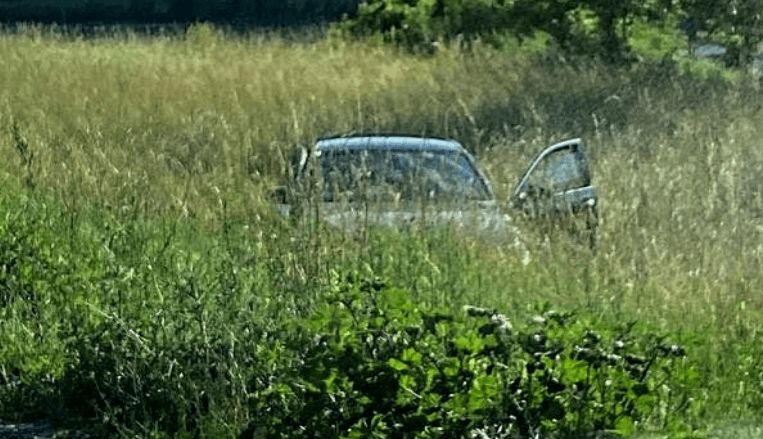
[(479, 219)]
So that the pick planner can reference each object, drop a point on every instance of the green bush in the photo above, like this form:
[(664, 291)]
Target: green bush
[(373, 363)]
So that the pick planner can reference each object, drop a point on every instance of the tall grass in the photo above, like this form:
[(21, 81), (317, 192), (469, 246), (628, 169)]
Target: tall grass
[(146, 249), (176, 119)]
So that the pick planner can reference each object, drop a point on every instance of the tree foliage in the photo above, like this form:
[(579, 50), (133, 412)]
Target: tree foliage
[(590, 26), (413, 22), (737, 23)]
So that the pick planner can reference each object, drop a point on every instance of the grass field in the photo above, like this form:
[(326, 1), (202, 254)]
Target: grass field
[(137, 242)]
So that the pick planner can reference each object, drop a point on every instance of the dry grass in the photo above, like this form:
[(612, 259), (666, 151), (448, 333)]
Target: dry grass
[(181, 120)]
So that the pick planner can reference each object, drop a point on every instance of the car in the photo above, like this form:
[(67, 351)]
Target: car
[(398, 181)]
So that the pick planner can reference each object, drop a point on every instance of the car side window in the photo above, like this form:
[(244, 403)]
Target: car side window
[(560, 171)]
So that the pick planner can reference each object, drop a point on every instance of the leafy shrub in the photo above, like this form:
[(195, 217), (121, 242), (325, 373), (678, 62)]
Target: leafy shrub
[(372, 363)]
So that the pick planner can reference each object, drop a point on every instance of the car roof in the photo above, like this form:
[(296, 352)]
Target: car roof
[(406, 143)]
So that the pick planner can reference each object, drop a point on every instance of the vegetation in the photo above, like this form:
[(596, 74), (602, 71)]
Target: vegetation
[(148, 289), (597, 27), (737, 24), (593, 27), (571, 23), (373, 363), (232, 12)]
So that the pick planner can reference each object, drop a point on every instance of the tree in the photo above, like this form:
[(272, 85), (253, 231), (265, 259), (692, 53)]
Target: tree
[(736, 23)]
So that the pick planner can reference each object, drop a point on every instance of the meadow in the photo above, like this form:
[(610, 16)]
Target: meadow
[(147, 283)]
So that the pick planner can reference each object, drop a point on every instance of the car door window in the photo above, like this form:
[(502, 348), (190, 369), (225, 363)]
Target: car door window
[(560, 171)]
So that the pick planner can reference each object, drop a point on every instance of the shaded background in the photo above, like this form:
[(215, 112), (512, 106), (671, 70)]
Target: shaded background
[(234, 12)]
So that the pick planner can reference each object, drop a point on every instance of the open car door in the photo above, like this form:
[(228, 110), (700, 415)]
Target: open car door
[(557, 183)]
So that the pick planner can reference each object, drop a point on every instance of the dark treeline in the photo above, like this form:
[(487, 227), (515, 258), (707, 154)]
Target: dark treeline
[(270, 13)]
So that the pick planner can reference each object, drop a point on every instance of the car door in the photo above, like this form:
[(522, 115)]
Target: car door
[(558, 180), (557, 185)]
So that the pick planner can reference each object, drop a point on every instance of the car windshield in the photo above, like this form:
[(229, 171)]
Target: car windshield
[(394, 175)]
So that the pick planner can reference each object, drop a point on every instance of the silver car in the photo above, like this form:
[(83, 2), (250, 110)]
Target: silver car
[(399, 181)]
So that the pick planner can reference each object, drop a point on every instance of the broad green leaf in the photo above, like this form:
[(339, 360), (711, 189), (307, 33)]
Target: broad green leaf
[(625, 426), (574, 370), (397, 364)]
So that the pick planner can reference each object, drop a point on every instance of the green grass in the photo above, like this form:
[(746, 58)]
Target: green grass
[(139, 226)]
